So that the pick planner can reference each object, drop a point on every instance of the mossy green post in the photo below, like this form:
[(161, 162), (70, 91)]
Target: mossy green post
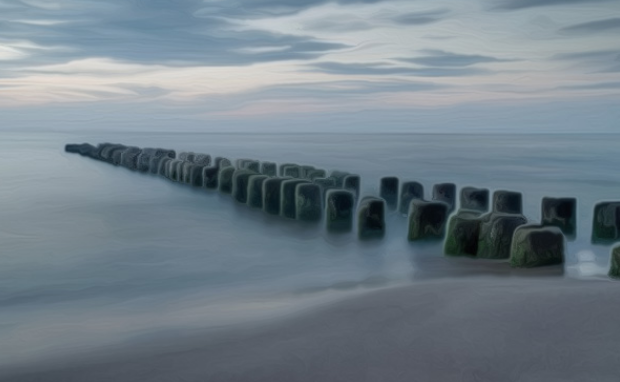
[(129, 158), (445, 192), (474, 199), (283, 167), (305, 170), (221, 162), (269, 169), (308, 200), (496, 233), (427, 220), (187, 156), (252, 165), (202, 159), (614, 268), (316, 173), (288, 204), (210, 175), (561, 213), (240, 183), (293, 171), (352, 183), (371, 218), (388, 190), (463, 234), (325, 184), (255, 190), (408, 192), (174, 169), (185, 172), (605, 222), (225, 179), (507, 202), (195, 175), (339, 208), (537, 246), (271, 195), (163, 166)]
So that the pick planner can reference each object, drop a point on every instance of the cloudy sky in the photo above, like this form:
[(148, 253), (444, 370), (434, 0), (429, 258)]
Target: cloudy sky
[(306, 65)]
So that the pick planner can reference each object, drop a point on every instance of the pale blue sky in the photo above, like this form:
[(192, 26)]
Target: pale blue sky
[(311, 65)]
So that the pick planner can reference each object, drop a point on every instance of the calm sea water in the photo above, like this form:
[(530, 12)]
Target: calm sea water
[(93, 255)]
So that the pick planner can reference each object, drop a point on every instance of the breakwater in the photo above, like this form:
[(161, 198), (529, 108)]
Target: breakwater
[(296, 191)]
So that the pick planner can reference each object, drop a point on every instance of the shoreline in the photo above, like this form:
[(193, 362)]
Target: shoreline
[(474, 328)]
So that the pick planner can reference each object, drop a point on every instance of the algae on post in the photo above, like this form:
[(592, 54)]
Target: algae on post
[(536, 246)]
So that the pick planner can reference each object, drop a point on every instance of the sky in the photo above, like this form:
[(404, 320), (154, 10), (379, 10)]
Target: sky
[(439, 66)]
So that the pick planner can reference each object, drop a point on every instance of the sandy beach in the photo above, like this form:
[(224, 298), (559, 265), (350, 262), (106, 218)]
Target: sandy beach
[(468, 329)]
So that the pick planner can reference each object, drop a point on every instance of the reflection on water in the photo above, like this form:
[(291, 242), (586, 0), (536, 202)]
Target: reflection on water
[(93, 253)]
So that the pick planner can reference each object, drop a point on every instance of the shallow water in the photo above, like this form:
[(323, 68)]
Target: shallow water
[(94, 254)]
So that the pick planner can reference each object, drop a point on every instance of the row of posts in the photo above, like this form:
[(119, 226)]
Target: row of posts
[(307, 193)]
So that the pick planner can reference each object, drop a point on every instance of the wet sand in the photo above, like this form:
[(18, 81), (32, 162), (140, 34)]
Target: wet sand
[(476, 328)]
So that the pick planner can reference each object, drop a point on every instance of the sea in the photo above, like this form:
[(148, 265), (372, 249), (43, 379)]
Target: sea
[(94, 256)]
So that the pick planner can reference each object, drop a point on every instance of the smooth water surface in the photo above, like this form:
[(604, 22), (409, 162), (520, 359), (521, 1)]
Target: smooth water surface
[(93, 254)]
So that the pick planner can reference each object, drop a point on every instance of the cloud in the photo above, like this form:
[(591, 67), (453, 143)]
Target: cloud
[(379, 69), (511, 5), (447, 59), (171, 32), (337, 89), (608, 61), (421, 18), (286, 7), (144, 91), (595, 86), (310, 96), (386, 18), (339, 25), (588, 55), (594, 26), (439, 37), (611, 69)]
